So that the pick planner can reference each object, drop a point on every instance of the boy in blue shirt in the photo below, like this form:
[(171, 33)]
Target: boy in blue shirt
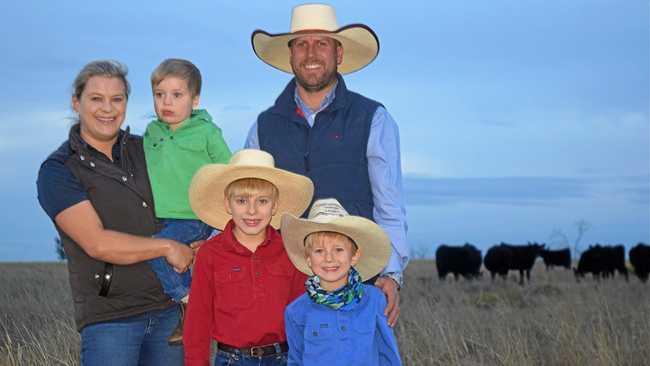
[(340, 320)]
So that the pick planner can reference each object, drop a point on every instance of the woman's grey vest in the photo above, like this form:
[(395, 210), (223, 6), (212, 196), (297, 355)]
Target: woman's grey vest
[(122, 197)]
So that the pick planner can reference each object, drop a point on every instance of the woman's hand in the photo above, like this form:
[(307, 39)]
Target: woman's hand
[(179, 256)]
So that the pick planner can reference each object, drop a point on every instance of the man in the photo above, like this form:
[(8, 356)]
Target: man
[(346, 143)]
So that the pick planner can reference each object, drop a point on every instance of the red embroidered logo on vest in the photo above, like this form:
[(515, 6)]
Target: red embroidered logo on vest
[(299, 112)]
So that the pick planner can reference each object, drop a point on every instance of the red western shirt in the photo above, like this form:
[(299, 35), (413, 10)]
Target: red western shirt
[(238, 297)]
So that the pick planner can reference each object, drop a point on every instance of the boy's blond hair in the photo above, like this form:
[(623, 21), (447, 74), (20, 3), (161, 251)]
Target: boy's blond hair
[(250, 186), (323, 236), (181, 69)]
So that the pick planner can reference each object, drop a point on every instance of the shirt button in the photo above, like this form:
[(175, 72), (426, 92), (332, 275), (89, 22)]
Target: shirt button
[(171, 137), (82, 158), (257, 274), (162, 139), (92, 165), (144, 204), (124, 179), (344, 328)]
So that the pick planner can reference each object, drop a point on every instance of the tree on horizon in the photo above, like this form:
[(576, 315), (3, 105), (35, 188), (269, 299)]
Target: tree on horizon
[(60, 252)]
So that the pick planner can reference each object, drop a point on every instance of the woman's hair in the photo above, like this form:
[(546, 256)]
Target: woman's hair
[(250, 186), (181, 69), (319, 237), (107, 68)]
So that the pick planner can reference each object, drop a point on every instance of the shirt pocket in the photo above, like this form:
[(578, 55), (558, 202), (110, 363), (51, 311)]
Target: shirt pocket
[(320, 341), (233, 290), (278, 280)]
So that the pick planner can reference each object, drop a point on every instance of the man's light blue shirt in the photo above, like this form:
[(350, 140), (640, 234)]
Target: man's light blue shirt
[(384, 169)]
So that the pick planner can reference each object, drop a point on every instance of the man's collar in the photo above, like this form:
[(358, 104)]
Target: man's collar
[(329, 97)]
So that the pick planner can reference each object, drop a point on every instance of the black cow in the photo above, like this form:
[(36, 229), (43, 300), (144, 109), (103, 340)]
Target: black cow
[(602, 260), (464, 261), (499, 259), (560, 257), (640, 259)]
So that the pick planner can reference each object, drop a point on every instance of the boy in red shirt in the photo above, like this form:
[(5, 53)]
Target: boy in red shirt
[(243, 279)]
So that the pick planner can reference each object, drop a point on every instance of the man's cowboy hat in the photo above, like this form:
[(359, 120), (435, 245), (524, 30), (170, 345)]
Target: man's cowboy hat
[(360, 43), (329, 215), (208, 186)]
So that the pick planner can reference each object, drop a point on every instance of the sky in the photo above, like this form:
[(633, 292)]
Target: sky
[(517, 118)]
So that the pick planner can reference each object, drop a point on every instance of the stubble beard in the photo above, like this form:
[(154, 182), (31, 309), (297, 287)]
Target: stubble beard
[(319, 84)]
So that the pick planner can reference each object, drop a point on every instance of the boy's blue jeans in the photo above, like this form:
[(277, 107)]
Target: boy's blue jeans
[(177, 285), (132, 341)]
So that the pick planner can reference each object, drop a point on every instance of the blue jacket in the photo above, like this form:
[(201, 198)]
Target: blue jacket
[(332, 152), (356, 334)]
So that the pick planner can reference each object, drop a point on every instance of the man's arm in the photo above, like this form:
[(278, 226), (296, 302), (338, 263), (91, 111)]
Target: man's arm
[(252, 140), (384, 169), (83, 225)]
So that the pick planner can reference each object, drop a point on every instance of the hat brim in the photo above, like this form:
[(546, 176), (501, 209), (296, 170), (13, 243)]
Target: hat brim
[(368, 236), (207, 191), (360, 47)]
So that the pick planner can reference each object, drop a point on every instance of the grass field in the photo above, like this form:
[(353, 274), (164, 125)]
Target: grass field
[(551, 321)]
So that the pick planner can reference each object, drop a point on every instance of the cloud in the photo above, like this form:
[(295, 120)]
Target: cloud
[(523, 191), (418, 163), (32, 130)]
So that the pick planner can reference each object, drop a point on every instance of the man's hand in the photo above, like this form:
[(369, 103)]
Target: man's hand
[(179, 256), (389, 287)]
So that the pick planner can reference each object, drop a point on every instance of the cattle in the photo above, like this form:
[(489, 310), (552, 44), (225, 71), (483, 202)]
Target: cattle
[(602, 260), (640, 260), (459, 260), (499, 259), (560, 257)]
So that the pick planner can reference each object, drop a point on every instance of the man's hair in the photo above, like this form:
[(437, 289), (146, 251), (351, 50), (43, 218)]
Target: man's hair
[(319, 237), (181, 69), (250, 186)]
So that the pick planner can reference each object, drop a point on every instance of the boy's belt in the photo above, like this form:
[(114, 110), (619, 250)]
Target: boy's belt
[(256, 351)]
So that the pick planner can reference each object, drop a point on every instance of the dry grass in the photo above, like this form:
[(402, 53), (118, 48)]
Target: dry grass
[(551, 321), (36, 326)]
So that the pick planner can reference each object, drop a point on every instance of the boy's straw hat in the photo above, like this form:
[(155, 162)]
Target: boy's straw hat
[(328, 215), (210, 181), (360, 43)]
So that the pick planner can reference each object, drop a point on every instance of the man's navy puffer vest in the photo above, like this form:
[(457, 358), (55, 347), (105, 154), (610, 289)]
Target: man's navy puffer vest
[(332, 152)]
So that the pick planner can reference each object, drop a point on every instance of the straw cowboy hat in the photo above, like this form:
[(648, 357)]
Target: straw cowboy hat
[(360, 43), (208, 187), (328, 215)]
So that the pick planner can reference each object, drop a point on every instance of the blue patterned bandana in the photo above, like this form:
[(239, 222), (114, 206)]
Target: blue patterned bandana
[(352, 291)]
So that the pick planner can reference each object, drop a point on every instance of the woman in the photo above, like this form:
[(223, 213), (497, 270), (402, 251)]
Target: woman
[(96, 190)]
